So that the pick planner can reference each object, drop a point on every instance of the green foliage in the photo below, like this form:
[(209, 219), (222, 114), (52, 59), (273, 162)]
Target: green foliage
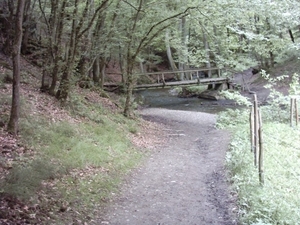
[(79, 163), (144, 80), (24, 180), (277, 108), (294, 85), (276, 202), (225, 118), (78, 106), (237, 97), (196, 89)]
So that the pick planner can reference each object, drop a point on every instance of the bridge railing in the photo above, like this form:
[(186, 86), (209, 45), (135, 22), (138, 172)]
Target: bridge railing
[(190, 73)]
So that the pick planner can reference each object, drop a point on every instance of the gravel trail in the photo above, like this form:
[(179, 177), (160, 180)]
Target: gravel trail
[(183, 182)]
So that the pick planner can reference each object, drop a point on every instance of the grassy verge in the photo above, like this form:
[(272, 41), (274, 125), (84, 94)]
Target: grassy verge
[(277, 201), (77, 164)]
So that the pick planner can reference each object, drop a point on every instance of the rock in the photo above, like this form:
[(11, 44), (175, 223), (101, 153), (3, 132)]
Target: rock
[(210, 94), (185, 93), (255, 71)]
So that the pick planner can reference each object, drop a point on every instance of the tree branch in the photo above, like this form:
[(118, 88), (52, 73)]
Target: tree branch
[(103, 4), (128, 3), (156, 25)]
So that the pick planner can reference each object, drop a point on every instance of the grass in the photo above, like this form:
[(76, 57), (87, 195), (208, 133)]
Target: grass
[(277, 201), (81, 164)]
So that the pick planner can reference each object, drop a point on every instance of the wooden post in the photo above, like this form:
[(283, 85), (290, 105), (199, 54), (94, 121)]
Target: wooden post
[(252, 135), (261, 155), (296, 112), (256, 128), (292, 111), (163, 79), (219, 72)]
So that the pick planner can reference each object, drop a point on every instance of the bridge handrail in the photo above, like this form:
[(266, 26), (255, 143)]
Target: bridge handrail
[(178, 71)]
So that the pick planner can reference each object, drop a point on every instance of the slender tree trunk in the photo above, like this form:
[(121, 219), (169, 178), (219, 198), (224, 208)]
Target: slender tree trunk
[(180, 50), (64, 87), (207, 50), (96, 72), (169, 52), (272, 59), (8, 26), (13, 124), (57, 48), (121, 65), (142, 67), (183, 49), (26, 20), (102, 71), (63, 91), (46, 79), (129, 88), (291, 36)]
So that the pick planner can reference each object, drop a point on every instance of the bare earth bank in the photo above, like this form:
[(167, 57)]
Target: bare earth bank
[(183, 182)]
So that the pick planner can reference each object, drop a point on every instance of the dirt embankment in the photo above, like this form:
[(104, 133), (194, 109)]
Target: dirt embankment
[(184, 179)]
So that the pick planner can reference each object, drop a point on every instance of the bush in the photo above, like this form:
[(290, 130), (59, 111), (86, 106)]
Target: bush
[(276, 202)]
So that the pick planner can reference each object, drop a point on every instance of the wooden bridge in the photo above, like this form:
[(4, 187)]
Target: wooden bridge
[(204, 76), (192, 77)]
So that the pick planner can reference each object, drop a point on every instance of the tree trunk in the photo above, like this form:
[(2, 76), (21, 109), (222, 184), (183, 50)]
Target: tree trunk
[(142, 67), (96, 72), (13, 124), (64, 87), (272, 59), (291, 35), (129, 88), (26, 21), (169, 52), (55, 28), (9, 29), (207, 50), (45, 80), (121, 64), (182, 51), (63, 91), (102, 71)]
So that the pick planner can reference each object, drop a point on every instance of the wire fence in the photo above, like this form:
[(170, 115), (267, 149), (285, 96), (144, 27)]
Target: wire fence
[(292, 153), (263, 140)]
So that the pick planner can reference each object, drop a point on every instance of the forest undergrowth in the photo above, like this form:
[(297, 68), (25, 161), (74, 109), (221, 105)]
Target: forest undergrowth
[(277, 200), (67, 161)]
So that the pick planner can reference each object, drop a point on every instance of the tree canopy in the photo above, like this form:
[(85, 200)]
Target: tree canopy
[(74, 40)]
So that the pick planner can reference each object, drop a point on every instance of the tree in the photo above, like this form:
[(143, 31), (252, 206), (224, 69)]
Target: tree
[(141, 30), (15, 107)]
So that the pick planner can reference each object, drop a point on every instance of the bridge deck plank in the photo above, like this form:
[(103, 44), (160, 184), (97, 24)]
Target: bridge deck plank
[(184, 82)]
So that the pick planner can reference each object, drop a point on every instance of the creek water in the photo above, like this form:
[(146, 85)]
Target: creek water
[(166, 98)]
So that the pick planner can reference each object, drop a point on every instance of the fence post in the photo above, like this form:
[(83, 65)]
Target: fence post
[(252, 133), (261, 152), (296, 112), (163, 79), (256, 128), (292, 111)]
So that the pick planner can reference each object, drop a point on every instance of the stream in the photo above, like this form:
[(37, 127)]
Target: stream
[(166, 98)]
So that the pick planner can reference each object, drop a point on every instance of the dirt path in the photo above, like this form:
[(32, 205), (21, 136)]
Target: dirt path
[(183, 182)]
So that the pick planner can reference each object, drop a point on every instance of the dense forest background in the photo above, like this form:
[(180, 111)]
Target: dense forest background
[(74, 41)]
